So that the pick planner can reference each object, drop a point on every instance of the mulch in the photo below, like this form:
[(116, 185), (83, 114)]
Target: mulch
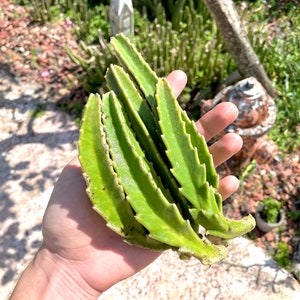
[(35, 52)]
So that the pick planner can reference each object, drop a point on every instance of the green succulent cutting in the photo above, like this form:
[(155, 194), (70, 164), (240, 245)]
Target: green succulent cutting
[(149, 173)]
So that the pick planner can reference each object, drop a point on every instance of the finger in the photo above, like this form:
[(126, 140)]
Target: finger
[(217, 119), (177, 80), (224, 148), (74, 162), (228, 185)]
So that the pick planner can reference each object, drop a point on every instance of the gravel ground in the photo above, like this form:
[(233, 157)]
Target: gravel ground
[(36, 141)]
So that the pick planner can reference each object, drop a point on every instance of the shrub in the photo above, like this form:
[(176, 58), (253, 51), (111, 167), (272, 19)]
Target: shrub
[(275, 38)]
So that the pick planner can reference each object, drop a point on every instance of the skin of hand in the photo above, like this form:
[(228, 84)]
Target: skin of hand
[(80, 256)]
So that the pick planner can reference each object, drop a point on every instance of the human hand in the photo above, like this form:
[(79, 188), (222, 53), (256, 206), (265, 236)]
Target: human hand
[(86, 255)]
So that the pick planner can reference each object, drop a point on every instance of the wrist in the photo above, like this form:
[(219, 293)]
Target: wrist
[(50, 276)]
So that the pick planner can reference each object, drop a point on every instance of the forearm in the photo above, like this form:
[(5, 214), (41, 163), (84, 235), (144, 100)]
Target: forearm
[(45, 278)]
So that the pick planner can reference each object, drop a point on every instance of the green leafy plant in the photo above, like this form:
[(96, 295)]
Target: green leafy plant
[(282, 256), (270, 210), (294, 215), (275, 39), (149, 172)]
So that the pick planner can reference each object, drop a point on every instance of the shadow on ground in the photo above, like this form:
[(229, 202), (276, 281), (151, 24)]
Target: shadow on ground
[(36, 141)]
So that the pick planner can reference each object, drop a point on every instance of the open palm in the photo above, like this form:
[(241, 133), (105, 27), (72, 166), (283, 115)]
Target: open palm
[(78, 240)]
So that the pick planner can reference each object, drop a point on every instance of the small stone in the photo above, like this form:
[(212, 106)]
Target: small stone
[(63, 91), (269, 236), (3, 49)]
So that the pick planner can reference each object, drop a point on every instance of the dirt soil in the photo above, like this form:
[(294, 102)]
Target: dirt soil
[(35, 53)]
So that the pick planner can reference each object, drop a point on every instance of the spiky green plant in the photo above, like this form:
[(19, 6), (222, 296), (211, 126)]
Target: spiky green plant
[(149, 172)]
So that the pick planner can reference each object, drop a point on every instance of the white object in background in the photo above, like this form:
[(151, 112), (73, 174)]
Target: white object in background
[(121, 17)]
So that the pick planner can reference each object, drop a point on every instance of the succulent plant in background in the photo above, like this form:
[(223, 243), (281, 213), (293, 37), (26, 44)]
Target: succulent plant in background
[(149, 173), (269, 214), (270, 210)]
